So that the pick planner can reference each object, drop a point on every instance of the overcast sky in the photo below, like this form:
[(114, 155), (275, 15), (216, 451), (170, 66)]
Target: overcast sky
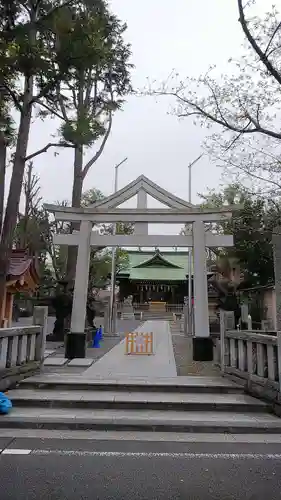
[(185, 35)]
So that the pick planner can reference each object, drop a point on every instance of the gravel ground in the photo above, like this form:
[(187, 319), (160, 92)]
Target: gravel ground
[(184, 362)]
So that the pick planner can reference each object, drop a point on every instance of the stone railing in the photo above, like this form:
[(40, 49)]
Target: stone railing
[(253, 359), (252, 356), (22, 349)]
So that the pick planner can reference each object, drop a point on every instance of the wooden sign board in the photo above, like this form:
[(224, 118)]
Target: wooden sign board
[(139, 343)]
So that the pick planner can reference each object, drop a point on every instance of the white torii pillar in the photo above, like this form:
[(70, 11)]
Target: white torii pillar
[(201, 307), (202, 343), (141, 228), (76, 339)]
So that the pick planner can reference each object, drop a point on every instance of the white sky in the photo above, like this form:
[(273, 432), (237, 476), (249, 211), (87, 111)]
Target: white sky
[(185, 35)]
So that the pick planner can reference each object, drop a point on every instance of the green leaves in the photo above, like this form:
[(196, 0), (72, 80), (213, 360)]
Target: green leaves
[(84, 131), (251, 227)]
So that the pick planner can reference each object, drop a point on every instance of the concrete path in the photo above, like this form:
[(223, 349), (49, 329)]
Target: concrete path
[(116, 363)]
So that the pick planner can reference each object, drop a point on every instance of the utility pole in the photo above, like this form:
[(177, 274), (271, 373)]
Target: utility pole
[(113, 253), (190, 253)]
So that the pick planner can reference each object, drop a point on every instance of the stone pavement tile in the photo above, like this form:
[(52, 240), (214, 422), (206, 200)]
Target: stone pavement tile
[(48, 352), (55, 361), (81, 362)]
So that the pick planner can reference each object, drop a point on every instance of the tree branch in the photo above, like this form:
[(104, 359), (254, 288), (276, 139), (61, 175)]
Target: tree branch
[(99, 152), (272, 36), (48, 146), (51, 110), (61, 104), (46, 89), (89, 87), (247, 172), (202, 112), (9, 34), (262, 55), (14, 97)]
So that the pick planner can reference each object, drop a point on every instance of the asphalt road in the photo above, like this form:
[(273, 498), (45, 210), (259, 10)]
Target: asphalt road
[(130, 470)]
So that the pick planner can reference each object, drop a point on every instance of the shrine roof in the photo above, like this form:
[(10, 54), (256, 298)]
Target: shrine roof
[(156, 266), (20, 263)]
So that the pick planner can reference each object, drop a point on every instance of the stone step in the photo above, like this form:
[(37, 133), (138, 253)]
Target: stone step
[(41, 398), (141, 420), (189, 384)]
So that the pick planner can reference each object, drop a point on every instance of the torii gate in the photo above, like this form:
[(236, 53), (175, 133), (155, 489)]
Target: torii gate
[(178, 211)]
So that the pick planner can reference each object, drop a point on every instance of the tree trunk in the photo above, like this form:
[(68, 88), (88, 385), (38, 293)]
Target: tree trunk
[(77, 182), (76, 202), (28, 189), (3, 153), (12, 208)]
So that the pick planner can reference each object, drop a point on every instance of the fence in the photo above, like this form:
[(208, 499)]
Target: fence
[(146, 307), (139, 343), (251, 357), (22, 349)]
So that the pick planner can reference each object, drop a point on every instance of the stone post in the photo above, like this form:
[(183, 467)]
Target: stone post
[(279, 358), (185, 318), (76, 339), (245, 317), (40, 317), (106, 317), (250, 323), (227, 322), (276, 240), (222, 339)]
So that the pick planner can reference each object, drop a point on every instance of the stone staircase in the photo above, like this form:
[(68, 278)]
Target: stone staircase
[(179, 404)]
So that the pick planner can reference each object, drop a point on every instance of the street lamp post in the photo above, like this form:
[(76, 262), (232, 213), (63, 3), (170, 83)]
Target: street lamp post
[(113, 259), (190, 253)]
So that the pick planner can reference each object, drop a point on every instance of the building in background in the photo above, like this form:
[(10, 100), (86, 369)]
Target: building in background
[(157, 277)]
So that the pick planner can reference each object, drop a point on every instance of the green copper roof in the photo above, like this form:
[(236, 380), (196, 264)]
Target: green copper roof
[(156, 266)]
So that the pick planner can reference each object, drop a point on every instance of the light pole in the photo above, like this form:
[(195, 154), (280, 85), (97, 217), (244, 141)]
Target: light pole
[(190, 253), (113, 254)]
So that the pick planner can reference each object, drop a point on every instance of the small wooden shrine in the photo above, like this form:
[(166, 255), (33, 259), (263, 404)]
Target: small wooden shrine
[(22, 277)]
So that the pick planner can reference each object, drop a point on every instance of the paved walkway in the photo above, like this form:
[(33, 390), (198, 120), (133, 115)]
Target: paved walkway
[(182, 347), (116, 363)]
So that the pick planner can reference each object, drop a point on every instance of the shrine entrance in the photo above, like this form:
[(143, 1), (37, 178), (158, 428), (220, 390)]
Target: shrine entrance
[(177, 211)]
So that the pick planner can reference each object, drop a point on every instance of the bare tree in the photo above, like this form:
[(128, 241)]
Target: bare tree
[(245, 107)]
